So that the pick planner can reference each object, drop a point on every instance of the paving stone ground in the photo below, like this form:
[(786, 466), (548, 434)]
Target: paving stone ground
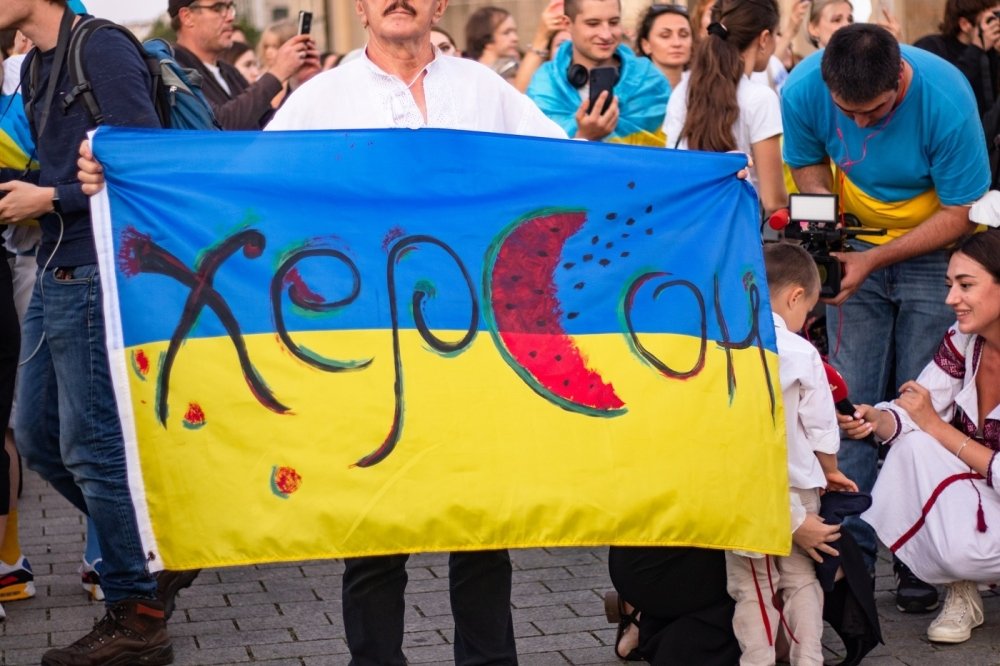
[(289, 614)]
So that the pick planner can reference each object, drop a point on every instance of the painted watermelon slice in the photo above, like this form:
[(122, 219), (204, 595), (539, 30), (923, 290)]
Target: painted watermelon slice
[(524, 314)]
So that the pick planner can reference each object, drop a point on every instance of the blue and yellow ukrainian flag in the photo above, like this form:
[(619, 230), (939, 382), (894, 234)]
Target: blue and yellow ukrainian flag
[(331, 344)]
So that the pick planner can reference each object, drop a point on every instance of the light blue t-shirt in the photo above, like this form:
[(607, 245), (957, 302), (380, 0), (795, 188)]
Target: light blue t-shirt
[(932, 141)]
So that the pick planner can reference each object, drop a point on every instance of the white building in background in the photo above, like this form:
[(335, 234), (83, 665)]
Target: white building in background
[(336, 26)]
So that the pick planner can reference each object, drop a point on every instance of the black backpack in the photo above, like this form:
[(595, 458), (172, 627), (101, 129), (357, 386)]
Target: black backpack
[(176, 91)]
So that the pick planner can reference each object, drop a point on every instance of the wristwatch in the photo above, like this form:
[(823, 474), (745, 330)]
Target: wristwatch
[(56, 208)]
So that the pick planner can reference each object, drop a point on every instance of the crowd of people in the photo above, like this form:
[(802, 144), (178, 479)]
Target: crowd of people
[(897, 133)]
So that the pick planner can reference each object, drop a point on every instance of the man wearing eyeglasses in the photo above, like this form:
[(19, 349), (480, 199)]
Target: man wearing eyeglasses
[(204, 31)]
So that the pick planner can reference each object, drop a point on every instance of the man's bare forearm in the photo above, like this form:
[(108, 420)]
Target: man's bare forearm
[(938, 231), (814, 179)]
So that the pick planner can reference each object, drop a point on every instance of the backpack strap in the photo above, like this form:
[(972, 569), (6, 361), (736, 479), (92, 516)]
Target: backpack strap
[(62, 45), (82, 88)]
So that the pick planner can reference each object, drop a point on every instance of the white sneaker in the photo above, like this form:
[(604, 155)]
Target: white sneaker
[(962, 612), (16, 580), (90, 580)]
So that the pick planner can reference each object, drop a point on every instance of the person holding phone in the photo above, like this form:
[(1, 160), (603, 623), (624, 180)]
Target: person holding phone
[(204, 32), (970, 33), (595, 87)]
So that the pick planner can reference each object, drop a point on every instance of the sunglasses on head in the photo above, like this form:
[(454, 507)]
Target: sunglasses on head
[(657, 8)]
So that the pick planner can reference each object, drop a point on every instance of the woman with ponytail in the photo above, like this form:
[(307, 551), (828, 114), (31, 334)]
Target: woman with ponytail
[(720, 109)]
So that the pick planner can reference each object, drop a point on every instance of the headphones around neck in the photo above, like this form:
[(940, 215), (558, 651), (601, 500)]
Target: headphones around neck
[(578, 75)]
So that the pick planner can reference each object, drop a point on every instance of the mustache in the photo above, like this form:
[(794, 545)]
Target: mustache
[(402, 4)]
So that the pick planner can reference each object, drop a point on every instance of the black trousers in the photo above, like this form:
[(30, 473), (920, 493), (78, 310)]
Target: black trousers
[(10, 346), (687, 615), (479, 584)]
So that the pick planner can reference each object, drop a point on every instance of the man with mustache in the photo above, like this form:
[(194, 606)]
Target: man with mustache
[(402, 81)]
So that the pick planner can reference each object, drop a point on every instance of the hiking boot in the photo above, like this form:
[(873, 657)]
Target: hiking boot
[(912, 594), (16, 580), (133, 631), (169, 583), (962, 612), (90, 580)]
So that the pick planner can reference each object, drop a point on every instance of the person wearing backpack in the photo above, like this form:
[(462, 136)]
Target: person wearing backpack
[(204, 32), (68, 427)]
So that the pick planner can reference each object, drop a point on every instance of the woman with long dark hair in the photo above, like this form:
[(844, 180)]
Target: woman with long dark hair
[(936, 503), (720, 109)]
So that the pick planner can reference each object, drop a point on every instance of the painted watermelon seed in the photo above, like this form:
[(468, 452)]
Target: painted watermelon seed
[(558, 357), (625, 235), (532, 354), (631, 186), (572, 315), (625, 254), (609, 245), (630, 221), (649, 208), (594, 240), (588, 257), (510, 306), (578, 285), (542, 253), (515, 278), (568, 265), (604, 262), (612, 216), (649, 232)]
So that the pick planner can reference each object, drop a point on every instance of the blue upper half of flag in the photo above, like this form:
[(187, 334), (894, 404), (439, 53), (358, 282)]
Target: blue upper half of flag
[(329, 230)]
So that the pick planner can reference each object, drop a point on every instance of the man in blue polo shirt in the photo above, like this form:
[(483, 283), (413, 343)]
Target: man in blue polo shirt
[(901, 130)]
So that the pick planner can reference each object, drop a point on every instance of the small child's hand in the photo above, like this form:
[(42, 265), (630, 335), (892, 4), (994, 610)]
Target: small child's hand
[(814, 536), (837, 481)]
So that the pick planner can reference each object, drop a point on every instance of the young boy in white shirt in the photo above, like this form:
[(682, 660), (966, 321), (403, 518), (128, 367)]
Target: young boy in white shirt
[(781, 595)]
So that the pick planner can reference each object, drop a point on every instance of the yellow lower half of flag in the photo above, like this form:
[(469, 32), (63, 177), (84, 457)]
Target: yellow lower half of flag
[(482, 461)]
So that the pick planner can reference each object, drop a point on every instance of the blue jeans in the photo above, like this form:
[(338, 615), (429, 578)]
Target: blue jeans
[(67, 427), (887, 331)]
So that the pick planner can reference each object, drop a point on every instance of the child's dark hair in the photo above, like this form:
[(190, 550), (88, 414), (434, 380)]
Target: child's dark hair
[(788, 265)]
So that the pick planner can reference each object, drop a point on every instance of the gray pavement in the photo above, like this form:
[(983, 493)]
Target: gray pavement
[(289, 614)]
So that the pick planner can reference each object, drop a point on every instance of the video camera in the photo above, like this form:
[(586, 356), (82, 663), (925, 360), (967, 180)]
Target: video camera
[(813, 219)]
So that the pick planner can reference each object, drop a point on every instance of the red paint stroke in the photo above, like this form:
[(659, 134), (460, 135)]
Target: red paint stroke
[(285, 481), (195, 417), (390, 236), (528, 317), (140, 364), (294, 280)]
